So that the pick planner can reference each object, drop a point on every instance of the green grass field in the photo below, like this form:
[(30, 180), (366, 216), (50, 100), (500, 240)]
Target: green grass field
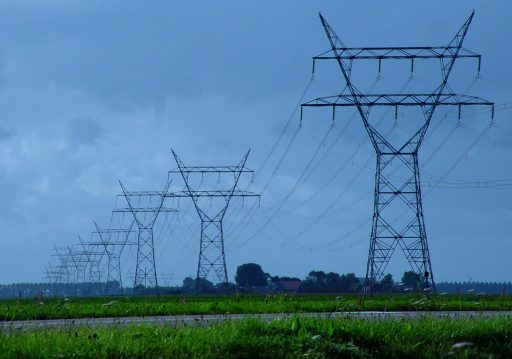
[(179, 305), (290, 338)]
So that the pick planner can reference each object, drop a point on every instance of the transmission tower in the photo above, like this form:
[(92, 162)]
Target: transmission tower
[(114, 240), (59, 271), (393, 192), (94, 254), (145, 206), (212, 257), (168, 278), (66, 266), (52, 276), (72, 265)]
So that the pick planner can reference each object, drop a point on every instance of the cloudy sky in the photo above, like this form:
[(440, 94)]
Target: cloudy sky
[(92, 92)]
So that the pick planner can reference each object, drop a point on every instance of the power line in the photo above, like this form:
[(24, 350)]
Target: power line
[(295, 186)]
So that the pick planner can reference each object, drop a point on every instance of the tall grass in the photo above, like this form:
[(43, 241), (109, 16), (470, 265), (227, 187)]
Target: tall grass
[(290, 338)]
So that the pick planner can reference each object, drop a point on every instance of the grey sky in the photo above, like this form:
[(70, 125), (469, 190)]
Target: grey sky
[(92, 92)]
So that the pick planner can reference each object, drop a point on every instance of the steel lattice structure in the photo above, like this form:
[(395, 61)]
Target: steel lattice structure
[(72, 267), (113, 240), (212, 258), (387, 232), (94, 254), (52, 274), (70, 264), (145, 216)]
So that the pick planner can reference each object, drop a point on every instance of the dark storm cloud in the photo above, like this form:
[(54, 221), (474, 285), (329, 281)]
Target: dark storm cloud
[(128, 56), (124, 55)]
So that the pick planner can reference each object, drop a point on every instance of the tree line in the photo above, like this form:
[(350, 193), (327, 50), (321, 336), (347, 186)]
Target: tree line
[(250, 277)]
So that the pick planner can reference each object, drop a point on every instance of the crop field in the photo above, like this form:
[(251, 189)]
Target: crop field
[(244, 304), (288, 338)]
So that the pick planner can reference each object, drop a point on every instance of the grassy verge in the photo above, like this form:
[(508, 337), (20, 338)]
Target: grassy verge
[(291, 338), (179, 305)]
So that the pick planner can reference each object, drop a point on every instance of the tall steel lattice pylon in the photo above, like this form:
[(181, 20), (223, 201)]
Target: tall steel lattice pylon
[(145, 215), (114, 240), (212, 258), (397, 192), (94, 254)]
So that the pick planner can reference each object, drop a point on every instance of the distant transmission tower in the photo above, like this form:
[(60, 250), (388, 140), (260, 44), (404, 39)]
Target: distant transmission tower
[(114, 240), (145, 207), (73, 264), (61, 270), (94, 254), (212, 257), (53, 276), (393, 192)]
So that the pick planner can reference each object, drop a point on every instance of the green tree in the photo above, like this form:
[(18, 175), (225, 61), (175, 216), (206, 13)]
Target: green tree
[(387, 283), (191, 284), (411, 280), (250, 275), (315, 282), (349, 283), (333, 283), (321, 282)]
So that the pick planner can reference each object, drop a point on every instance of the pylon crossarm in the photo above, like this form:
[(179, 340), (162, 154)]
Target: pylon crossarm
[(215, 193), (211, 169), (89, 253), (427, 102), (396, 100), (159, 208), (195, 194), (397, 53), (120, 243), (144, 210), (142, 194), (346, 55), (114, 230)]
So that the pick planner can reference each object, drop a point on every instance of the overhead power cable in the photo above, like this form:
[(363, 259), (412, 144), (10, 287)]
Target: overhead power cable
[(458, 160), (285, 128), (295, 186), (251, 212)]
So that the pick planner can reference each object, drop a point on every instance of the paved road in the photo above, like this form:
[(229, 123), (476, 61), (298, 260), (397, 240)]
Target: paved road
[(216, 318)]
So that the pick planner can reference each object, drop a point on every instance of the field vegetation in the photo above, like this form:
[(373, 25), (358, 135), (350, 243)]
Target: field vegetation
[(289, 338), (180, 305)]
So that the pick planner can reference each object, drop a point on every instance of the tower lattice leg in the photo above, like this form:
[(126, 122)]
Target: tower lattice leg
[(212, 258), (145, 271), (398, 218)]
